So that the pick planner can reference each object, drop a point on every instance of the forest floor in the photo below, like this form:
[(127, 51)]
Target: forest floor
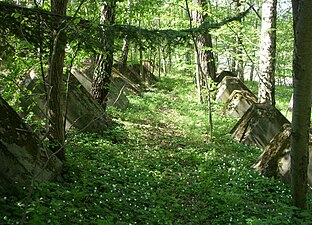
[(158, 165)]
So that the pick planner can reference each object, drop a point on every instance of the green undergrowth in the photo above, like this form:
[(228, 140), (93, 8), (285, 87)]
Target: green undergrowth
[(158, 165)]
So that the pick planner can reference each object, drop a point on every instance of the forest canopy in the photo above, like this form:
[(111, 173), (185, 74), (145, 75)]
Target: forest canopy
[(35, 26)]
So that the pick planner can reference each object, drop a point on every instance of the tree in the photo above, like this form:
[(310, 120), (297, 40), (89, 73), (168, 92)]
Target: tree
[(266, 90), (302, 79), (55, 80), (204, 60), (239, 63), (104, 60), (125, 47)]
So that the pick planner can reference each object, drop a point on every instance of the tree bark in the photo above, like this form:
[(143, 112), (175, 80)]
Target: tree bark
[(266, 93), (126, 44), (302, 79), (239, 64), (104, 61), (124, 53), (205, 64), (198, 78), (55, 78)]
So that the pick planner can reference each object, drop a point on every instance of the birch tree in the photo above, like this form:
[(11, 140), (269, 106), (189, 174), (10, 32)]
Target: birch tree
[(266, 90)]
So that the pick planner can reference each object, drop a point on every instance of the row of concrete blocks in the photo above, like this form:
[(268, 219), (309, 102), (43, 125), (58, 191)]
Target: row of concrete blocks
[(260, 125), (23, 157)]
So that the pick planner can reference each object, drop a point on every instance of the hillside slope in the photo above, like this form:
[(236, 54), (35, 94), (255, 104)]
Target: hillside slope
[(158, 165)]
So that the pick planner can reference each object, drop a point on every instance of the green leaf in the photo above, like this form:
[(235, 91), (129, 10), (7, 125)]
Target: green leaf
[(16, 15), (76, 21)]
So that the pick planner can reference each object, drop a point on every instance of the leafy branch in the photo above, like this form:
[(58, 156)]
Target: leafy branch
[(24, 23)]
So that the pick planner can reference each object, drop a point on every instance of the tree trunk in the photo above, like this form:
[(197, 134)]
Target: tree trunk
[(205, 64), (55, 78), (104, 61), (124, 53), (198, 79), (302, 100), (126, 43), (266, 93), (238, 62), (159, 61), (252, 70), (164, 66), (142, 74)]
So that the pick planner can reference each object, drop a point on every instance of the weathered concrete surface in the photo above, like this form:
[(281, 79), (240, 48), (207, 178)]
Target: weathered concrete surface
[(275, 161), (146, 77), (151, 66), (83, 112), (227, 86), (21, 154), (259, 125), (119, 87), (239, 102), (224, 74), (83, 78), (116, 96), (34, 100)]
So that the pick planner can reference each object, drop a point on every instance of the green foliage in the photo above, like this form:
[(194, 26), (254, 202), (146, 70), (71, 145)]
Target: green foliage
[(157, 166), (157, 163), (284, 46), (20, 60)]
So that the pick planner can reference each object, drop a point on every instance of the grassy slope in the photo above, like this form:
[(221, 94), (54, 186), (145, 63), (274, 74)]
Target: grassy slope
[(158, 166)]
